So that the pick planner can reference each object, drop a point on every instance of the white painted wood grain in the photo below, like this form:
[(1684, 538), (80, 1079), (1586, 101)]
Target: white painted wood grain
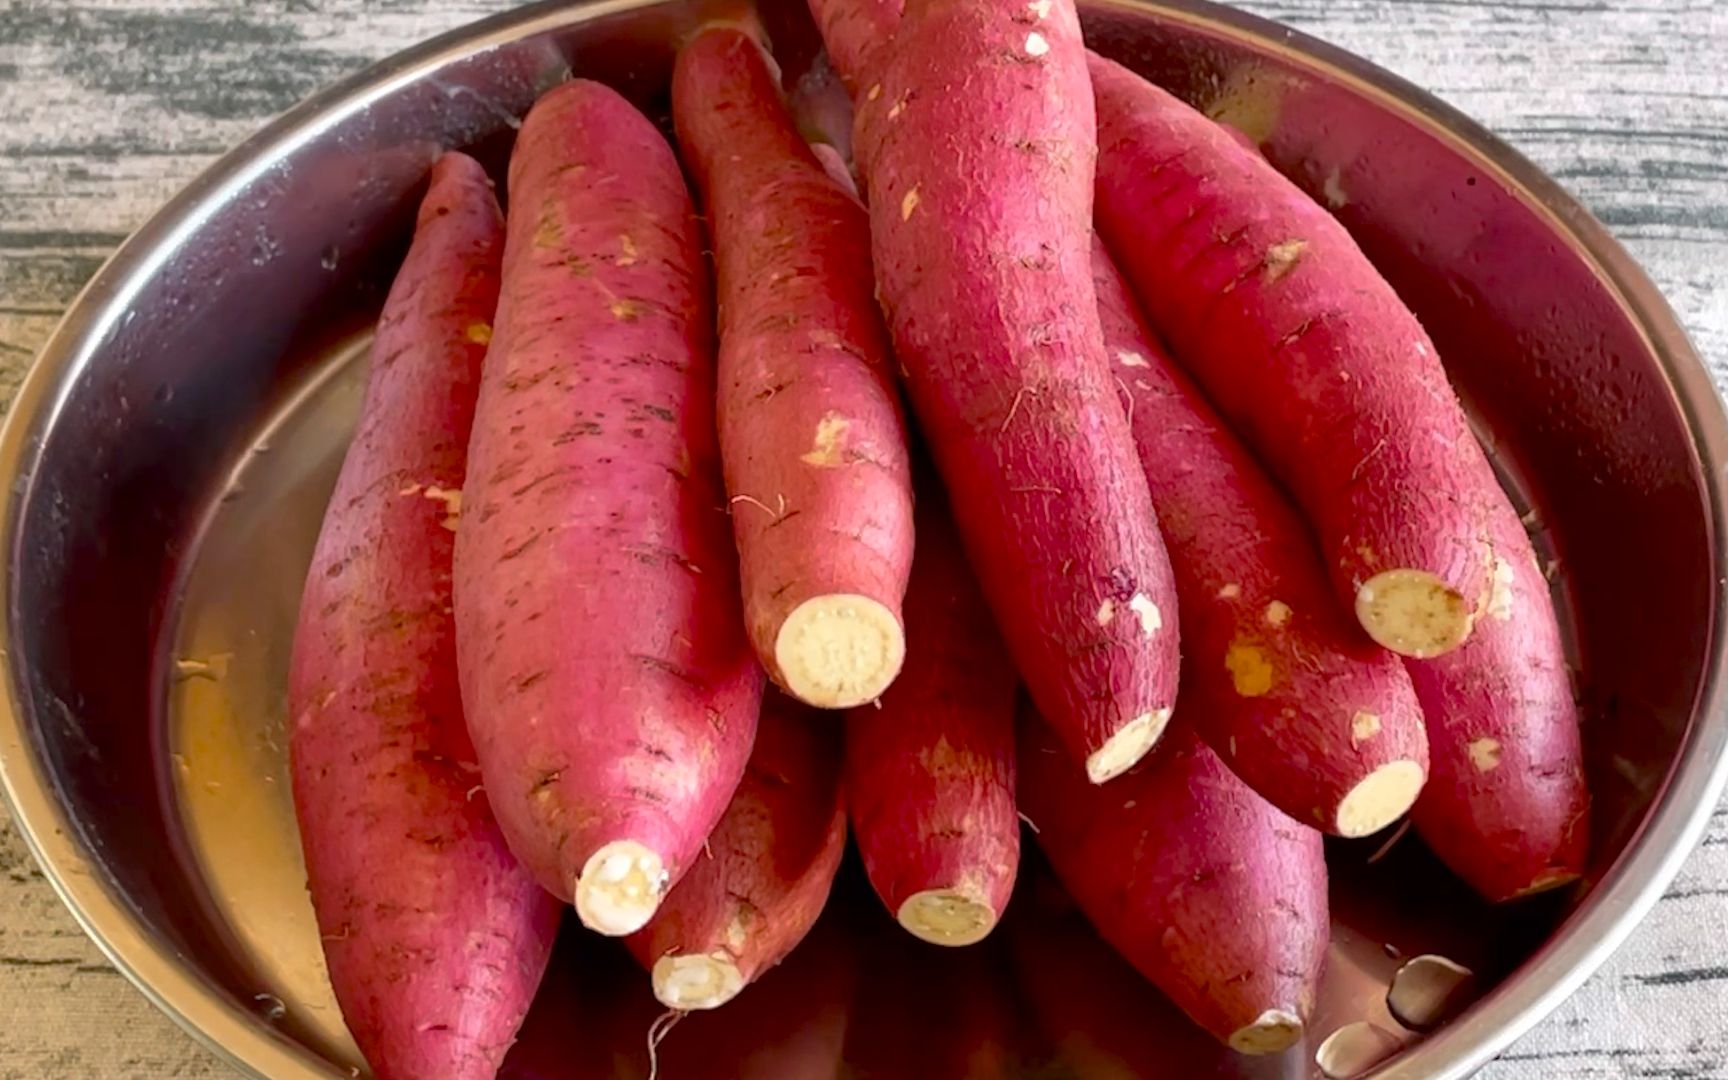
[(108, 106)]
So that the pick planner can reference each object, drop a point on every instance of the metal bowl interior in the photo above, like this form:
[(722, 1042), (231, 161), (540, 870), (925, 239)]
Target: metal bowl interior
[(169, 457)]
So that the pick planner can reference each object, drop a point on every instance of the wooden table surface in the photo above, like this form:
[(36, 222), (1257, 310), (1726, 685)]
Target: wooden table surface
[(107, 107)]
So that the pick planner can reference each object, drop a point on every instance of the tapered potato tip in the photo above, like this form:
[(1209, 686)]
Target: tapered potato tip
[(1272, 1031), (839, 651), (1123, 750), (696, 982), (1428, 991), (1380, 798), (1413, 613), (620, 888), (946, 917)]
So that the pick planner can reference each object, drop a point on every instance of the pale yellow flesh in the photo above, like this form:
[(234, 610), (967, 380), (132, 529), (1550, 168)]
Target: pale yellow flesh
[(1123, 750), (1413, 613), (620, 888), (696, 982), (839, 651), (946, 917), (1379, 799), (1272, 1031)]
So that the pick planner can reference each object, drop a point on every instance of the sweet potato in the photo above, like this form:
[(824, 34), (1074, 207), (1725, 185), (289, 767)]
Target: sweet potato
[(977, 145), (854, 34), (1506, 807), (930, 774), (1309, 354), (811, 435), (609, 685), (1203, 886), (1278, 681), (765, 874), (434, 935)]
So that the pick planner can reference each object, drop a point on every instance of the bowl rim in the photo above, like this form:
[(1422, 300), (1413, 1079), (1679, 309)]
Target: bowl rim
[(1639, 875)]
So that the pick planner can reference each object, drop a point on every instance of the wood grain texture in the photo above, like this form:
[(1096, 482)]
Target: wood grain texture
[(107, 107)]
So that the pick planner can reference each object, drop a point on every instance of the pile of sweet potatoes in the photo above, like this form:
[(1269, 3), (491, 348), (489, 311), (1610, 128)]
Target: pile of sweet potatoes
[(622, 602)]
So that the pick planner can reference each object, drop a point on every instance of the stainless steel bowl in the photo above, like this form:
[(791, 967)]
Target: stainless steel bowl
[(167, 460)]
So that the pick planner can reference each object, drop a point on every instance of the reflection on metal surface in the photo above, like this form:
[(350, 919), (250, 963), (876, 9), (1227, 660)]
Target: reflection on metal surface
[(207, 338), (233, 623)]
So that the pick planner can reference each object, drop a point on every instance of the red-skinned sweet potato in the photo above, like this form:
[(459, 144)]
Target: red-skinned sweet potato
[(1206, 888), (1287, 690), (980, 222), (766, 871), (811, 435), (609, 686), (435, 937), (1309, 354), (1506, 807), (930, 773)]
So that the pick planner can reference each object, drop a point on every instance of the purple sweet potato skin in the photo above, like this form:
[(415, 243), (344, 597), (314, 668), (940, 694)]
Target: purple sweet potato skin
[(812, 437), (1202, 885), (610, 689), (435, 936), (978, 148), (1280, 682), (1506, 808), (1302, 345)]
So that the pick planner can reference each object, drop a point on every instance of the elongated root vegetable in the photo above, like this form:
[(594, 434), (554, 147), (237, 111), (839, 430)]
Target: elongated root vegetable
[(810, 427), (1310, 355), (1203, 886), (1506, 808), (855, 34), (930, 774), (609, 686), (766, 872), (435, 937), (977, 143), (1281, 684)]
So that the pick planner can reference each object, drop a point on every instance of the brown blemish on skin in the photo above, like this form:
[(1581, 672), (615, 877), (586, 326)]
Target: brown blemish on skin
[(1250, 672)]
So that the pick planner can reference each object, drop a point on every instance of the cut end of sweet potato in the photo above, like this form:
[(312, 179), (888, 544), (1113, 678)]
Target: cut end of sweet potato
[(1413, 613), (1273, 1031), (696, 982), (1428, 991), (1123, 750), (947, 917), (1381, 798), (839, 651), (620, 888), (1548, 880)]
